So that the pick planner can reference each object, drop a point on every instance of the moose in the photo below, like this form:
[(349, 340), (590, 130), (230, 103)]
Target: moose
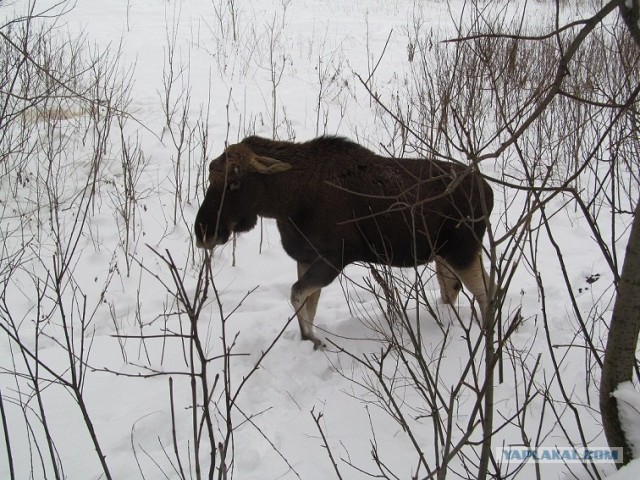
[(336, 203)]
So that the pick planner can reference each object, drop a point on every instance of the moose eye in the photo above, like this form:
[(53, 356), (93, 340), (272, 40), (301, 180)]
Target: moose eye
[(234, 185)]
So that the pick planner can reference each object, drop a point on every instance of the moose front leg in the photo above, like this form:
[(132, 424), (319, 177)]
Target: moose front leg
[(311, 304), (305, 294)]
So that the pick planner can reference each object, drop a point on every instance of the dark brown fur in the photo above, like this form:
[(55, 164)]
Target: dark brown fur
[(335, 203)]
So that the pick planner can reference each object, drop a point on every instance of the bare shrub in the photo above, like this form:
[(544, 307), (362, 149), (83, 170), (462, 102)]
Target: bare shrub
[(59, 102), (498, 97)]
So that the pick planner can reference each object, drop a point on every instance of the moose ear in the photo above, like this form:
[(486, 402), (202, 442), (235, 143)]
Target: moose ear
[(268, 165)]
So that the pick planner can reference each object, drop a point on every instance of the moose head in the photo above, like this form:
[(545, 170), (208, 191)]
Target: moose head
[(235, 194)]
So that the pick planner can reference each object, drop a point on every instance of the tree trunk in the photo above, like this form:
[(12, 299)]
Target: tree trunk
[(630, 13), (620, 353)]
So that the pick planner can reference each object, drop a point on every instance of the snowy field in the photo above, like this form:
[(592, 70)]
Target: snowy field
[(90, 308)]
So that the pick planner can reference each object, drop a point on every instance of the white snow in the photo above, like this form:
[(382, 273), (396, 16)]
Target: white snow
[(628, 401), (628, 472), (319, 46)]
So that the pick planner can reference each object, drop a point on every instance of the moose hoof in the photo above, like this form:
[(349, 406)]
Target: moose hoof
[(317, 343)]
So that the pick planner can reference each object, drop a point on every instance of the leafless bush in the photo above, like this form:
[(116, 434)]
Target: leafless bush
[(277, 62), (127, 195), (333, 87), (226, 12), (59, 100), (203, 445), (495, 98)]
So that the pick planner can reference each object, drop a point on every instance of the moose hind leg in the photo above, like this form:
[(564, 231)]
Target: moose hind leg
[(476, 279), (448, 281), (305, 295)]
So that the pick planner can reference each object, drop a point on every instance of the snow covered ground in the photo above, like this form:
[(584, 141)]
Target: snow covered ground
[(289, 69)]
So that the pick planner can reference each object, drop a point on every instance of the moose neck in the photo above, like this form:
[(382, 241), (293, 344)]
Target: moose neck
[(284, 192), (280, 195)]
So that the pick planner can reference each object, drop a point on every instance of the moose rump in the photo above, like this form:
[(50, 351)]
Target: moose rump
[(336, 202)]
